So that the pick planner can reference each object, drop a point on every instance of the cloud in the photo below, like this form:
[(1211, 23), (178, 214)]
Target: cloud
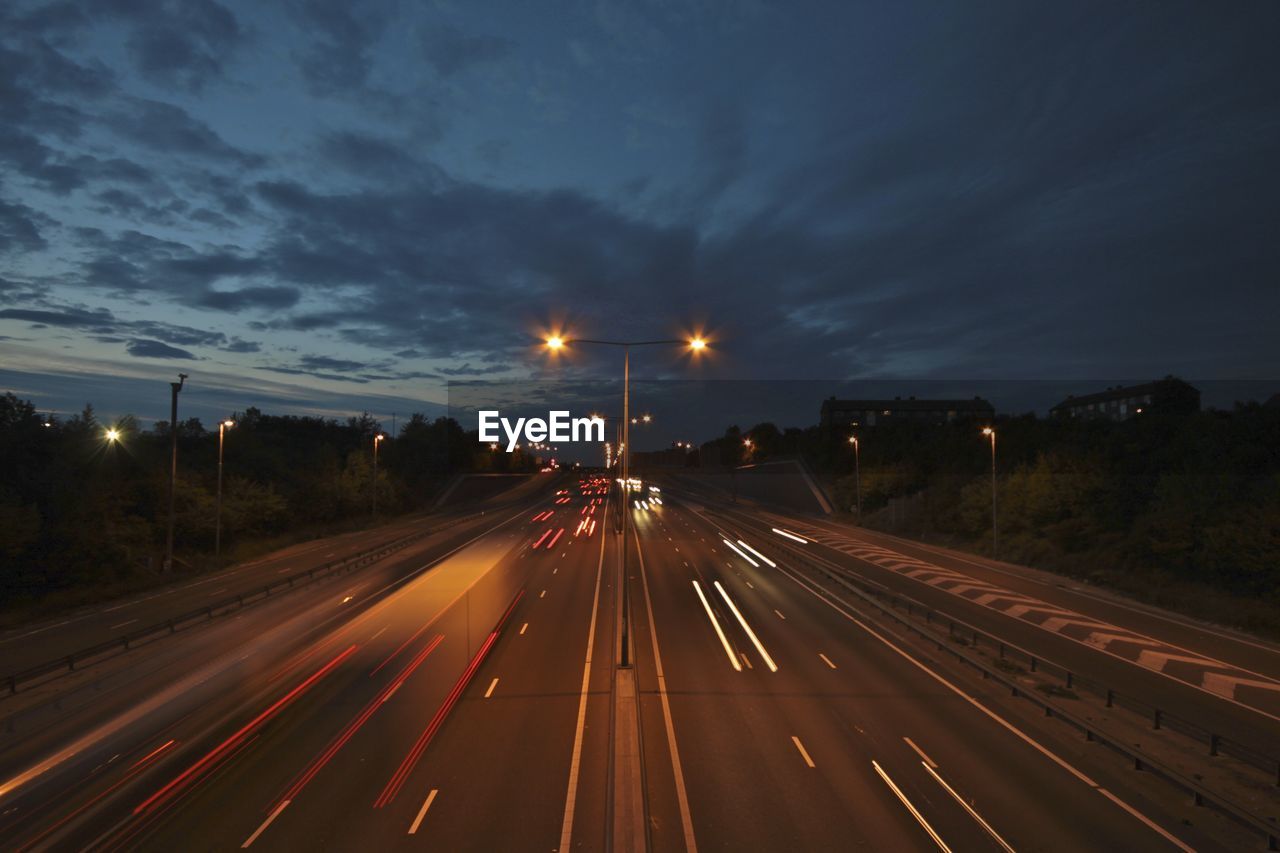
[(185, 44), (169, 129), (250, 297), (18, 228), (154, 349), (450, 51), (340, 55)]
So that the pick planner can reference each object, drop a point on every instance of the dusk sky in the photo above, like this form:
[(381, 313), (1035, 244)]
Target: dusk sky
[(327, 207)]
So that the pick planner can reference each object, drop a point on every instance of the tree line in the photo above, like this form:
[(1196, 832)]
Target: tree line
[(1158, 498), (77, 508)]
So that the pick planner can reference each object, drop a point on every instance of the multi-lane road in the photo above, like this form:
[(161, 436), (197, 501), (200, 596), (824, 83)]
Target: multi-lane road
[(465, 696)]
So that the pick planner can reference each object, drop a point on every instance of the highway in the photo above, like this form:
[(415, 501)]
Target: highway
[(464, 695)]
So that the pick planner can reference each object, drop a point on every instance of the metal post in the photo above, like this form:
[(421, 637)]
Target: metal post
[(217, 529), (995, 531), (174, 388), (375, 476), (625, 657)]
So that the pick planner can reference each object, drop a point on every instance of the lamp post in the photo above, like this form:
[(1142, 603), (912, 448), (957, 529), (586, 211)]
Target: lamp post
[(696, 344), (217, 527), (174, 388), (857, 475), (377, 439), (995, 534)]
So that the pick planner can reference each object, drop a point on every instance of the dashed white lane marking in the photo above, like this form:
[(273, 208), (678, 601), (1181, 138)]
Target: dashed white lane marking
[(804, 753), (929, 762), (422, 812), (122, 624), (746, 660), (524, 628), (489, 692), (826, 660), (779, 612), (274, 814)]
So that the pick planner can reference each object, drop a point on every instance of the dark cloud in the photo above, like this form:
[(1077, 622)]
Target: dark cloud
[(250, 297), (18, 228), (370, 156), (238, 345), (154, 349), (450, 51), (185, 44), (340, 54), (169, 129)]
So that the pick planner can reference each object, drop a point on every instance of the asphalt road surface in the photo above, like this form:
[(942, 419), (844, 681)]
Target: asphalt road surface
[(465, 696)]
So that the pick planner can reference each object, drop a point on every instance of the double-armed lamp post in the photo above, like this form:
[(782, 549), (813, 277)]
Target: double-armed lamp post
[(695, 345)]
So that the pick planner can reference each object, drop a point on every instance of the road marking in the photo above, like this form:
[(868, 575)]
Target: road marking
[(542, 594), (391, 692), (804, 753), (750, 585), (275, 814), (826, 660), (914, 813), (682, 796), (780, 616), (773, 667), (489, 692), (992, 715), (715, 623), (575, 763), (122, 624), (375, 636), (556, 569), (746, 660), (929, 762), (972, 812), (524, 628), (422, 812)]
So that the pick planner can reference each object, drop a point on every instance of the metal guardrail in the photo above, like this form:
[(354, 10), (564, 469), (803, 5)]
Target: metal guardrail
[(870, 593), (141, 636)]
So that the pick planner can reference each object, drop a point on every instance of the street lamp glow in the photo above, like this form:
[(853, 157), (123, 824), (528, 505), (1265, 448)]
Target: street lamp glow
[(113, 435), (555, 342), (988, 431), (228, 423), (697, 344)]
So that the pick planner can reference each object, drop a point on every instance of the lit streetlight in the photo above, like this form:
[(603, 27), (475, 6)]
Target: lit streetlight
[(695, 344), (995, 534), (217, 527), (857, 475), (377, 439), (113, 435)]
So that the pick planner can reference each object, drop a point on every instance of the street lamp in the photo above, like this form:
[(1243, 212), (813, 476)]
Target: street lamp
[(857, 475), (695, 344), (174, 389), (113, 435), (217, 527), (377, 439), (995, 534)]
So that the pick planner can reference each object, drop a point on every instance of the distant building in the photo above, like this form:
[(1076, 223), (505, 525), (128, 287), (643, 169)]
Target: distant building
[(1166, 396), (840, 414)]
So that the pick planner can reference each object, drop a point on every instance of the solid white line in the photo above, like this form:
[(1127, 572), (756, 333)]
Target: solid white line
[(804, 753), (738, 551), (422, 812), (773, 667), (972, 812), (992, 715), (826, 660), (715, 623), (770, 563), (929, 762), (380, 630), (275, 814), (682, 796), (903, 799), (492, 685), (575, 763), (122, 624)]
